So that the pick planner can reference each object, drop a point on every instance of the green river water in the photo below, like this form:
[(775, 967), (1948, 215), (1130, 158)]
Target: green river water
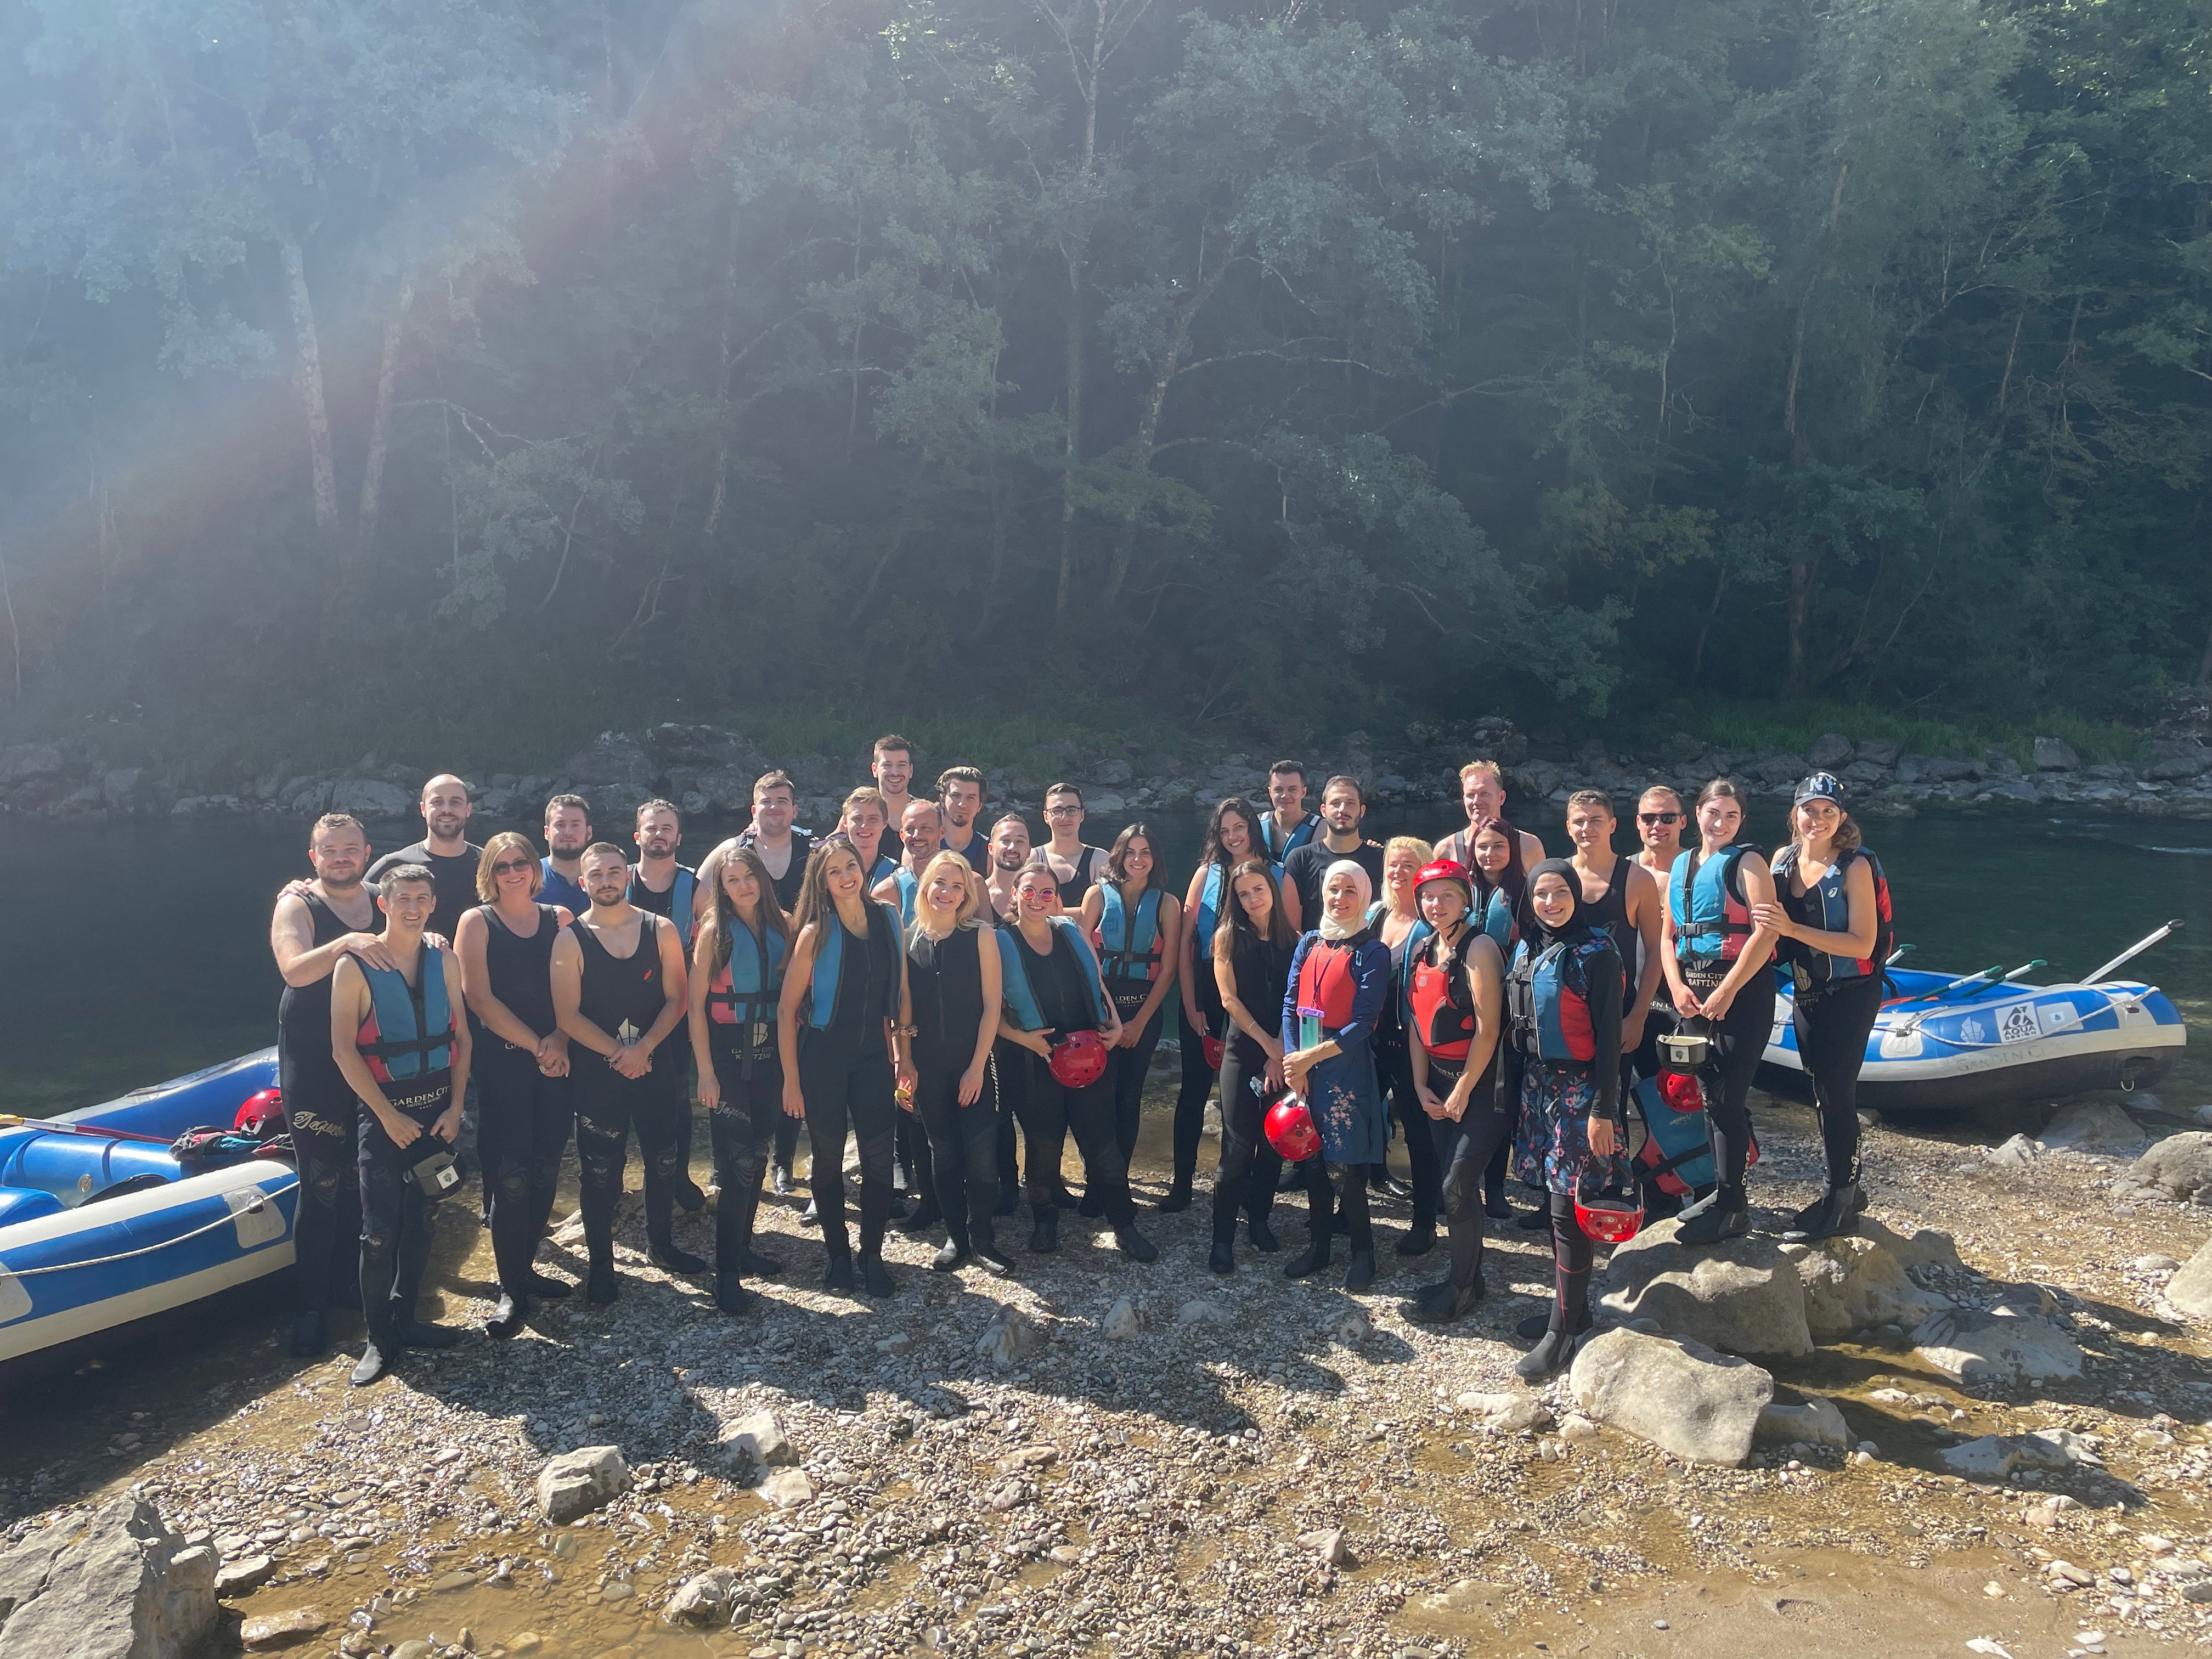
[(137, 952)]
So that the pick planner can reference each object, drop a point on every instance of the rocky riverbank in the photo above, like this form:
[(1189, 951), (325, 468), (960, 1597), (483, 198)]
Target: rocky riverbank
[(1991, 1436), (709, 769)]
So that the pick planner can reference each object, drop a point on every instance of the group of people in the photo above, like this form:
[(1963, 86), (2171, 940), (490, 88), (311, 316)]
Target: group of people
[(960, 1000)]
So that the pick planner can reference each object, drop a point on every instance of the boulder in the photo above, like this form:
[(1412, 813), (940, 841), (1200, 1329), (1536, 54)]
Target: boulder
[(2019, 1153), (786, 1489), (1742, 1296), (577, 1482), (1682, 1397), (266, 1631), (1995, 1457), (1857, 1280), (704, 1600), (1830, 750), (24, 761), (2190, 1290), (1881, 752), (1509, 1414), (1815, 1423), (244, 1575), (1010, 1337), (1328, 1543), (2056, 755), (2094, 1126), (2176, 1166), (758, 1442), (1924, 1247), (1975, 1349), (370, 799), (110, 1582)]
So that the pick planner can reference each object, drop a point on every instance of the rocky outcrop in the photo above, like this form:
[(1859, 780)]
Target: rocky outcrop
[(2178, 1167), (2095, 1125), (1681, 1396), (110, 1583)]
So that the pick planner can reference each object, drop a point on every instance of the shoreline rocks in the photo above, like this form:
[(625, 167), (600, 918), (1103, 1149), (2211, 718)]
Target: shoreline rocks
[(110, 1583), (1682, 1397)]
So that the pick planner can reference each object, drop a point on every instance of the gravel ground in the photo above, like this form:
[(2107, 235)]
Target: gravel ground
[(1177, 1487)]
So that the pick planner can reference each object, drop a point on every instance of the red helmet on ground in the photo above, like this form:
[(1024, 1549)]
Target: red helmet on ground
[(1214, 1048), (1290, 1128), (1609, 1214), (1445, 870), (1682, 1090), (1078, 1059), (263, 1112)]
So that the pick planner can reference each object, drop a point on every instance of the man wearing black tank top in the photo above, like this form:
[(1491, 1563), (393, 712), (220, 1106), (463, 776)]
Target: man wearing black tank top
[(315, 924), (660, 886), (618, 992), (1010, 856), (446, 851), (783, 849), (1618, 896), (1076, 866)]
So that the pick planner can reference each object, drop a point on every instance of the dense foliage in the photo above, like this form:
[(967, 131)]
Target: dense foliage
[(987, 353)]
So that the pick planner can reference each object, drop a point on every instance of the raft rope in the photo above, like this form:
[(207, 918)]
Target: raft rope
[(228, 1219)]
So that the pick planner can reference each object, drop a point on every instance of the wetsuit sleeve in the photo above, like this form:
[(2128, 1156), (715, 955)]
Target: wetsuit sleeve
[(1291, 995), (1370, 993), (1605, 999)]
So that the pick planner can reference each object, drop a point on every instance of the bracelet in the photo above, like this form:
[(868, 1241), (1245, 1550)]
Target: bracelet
[(906, 1031)]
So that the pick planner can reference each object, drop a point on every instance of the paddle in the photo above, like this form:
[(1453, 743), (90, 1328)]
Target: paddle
[(2133, 951), (92, 1129), (1988, 973)]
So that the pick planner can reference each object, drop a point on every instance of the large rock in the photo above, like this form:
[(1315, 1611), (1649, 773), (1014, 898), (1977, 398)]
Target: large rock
[(1816, 1423), (1977, 1349), (1830, 750), (1994, 1456), (614, 761), (1881, 751), (577, 1482), (704, 1600), (2176, 1166), (2056, 755), (1858, 1280), (26, 760), (758, 1442), (111, 1582), (370, 799), (2094, 1125), (1681, 1396), (1742, 1296), (2190, 1290)]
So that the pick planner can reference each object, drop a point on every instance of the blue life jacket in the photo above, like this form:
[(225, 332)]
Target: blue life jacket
[(1299, 837), (1014, 986), (830, 961), (1401, 958), (908, 884), (1711, 920), (681, 894), (748, 983), (1677, 1154), (1549, 1015), (1809, 968), (1498, 921), (884, 869), (409, 1032), (1130, 959), (1209, 909)]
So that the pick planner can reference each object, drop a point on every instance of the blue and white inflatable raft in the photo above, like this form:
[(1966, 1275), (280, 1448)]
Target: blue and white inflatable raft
[(95, 1233)]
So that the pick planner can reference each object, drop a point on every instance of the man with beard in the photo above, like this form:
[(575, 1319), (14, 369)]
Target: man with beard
[(397, 1036), (960, 792), (891, 765), (1482, 795), (1010, 855), (783, 849), (316, 926), (921, 837), (445, 852), (1343, 805), (865, 818), (662, 887), (567, 833)]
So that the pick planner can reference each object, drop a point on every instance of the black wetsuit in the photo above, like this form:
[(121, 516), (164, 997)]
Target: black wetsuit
[(1197, 1073), (1464, 1147), (846, 1080), (324, 1118), (1740, 1041), (454, 880), (787, 887), (945, 979), (527, 1116), (749, 1073), (398, 1219), (662, 904), (1127, 1068), (1245, 1178), (621, 992), (1073, 889), (1833, 1019), (1049, 1108), (1394, 1071)]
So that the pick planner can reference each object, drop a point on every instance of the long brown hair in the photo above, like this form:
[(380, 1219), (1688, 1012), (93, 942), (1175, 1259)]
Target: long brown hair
[(721, 913), (1846, 838), (1222, 808), (815, 903), (1117, 859), (1241, 934)]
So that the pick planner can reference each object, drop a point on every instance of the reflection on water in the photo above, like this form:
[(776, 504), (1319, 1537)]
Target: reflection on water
[(139, 951)]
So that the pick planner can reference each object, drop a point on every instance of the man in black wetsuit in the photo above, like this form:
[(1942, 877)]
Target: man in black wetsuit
[(1343, 805), (567, 833), (618, 992), (891, 764), (409, 1070), (661, 887), (960, 791), (446, 851), (1076, 866), (1010, 856), (783, 849), (921, 837), (333, 916)]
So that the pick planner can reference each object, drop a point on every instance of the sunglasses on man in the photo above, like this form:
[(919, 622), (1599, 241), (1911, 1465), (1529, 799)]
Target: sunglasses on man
[(1658, 817)]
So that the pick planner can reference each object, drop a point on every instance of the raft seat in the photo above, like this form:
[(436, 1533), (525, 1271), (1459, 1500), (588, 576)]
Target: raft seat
[(26, 1204), (71, 1167)]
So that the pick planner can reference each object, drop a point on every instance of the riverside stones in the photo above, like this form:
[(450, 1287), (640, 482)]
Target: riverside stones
[(1977, 1349), (1859, 1280), (1815, 1423), (758, 1442), (2176, 1166), (1010, 1337), (1682, 1397), (110, 1583), (704, 1600), (577, 1482), (1742, 1296), (2190, 1290), (2094, 1126)]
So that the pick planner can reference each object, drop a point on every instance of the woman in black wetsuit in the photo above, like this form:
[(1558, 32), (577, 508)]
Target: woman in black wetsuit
[(953, 982), (1395, 917), (1832, 915), (1500, 886), (843, 1013), (1232, 835), (1251, 968), (1136, 927)]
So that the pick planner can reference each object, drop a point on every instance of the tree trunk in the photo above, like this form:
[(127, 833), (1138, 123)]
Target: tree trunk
[(308, 378), (14, 632), (2203, 666), (1071, 450), (1802, 572), (380, 419)]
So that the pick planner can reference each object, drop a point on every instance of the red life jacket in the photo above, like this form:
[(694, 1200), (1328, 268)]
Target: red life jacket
[(1327, 983), (1443, 1011)]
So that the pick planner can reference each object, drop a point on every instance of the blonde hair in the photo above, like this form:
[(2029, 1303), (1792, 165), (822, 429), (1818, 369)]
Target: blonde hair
[(1420, 849), (1489, 766), (971, 893), (506, 840)]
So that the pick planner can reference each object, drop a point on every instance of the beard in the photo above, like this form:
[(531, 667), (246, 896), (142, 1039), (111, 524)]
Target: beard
[(568, 849)]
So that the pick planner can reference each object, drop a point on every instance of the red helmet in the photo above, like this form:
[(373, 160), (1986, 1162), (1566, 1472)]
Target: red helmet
[(1078, 1059), (263, 1112), (1290, 1130), (1445, 870), (1682, 1090), (1609, 1214), (1214, 1048)]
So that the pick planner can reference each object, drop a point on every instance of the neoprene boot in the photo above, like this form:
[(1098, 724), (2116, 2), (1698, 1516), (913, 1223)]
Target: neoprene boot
[(1719, 1214), (371, 1365), (985, 1244), (1176, 1198), (509, 1316), (1044, 1236), (1223, 1259), (1420, 1240), (732, 1297), (1262, 1236), (1134, 1245), (600, 1284), (309, 1336), (1314, 1256), (1361, 1273), (876, 1276), (1445, 1301), (1553, 1353), (1835, 1211)]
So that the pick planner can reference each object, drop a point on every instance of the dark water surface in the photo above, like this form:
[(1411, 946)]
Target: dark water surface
[(138, 952)]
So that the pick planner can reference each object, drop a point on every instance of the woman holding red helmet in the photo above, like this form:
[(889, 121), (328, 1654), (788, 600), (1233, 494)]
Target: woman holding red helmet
[(1251, 969), (1339, 979), (1054, 1033)]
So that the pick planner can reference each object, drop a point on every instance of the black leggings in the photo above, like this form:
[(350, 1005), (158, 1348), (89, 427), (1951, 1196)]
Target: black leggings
[(1832, 1026), (744, 1126), (1571, 1256), (1244, 1180), (1048, 1107), (1463, 1151), (1125, 1076), (324, 1120), (1393, 1069), (1347, 1185), (962, 1142), (523, 1134), (1190, 1099), (397, 1221), (608, 1107), (844, 1094), (1740, 1038)]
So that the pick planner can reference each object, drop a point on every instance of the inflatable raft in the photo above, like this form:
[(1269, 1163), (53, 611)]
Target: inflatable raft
[(95, 1232), (1942, 1043)]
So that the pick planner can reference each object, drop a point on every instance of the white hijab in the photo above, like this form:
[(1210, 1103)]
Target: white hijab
[(1331, 928)]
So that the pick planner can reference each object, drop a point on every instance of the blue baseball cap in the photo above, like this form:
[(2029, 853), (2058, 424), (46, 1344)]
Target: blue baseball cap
[(1822, 786)]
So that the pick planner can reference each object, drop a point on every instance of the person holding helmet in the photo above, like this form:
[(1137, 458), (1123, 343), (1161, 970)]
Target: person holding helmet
[(1715, 958), (1055, 1030), (1251, 969), (1339, 979), (1562, 999), (1455, 1009), (1832, 912)]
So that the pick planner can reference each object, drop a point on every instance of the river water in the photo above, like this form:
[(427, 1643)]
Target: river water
[(138, 952)]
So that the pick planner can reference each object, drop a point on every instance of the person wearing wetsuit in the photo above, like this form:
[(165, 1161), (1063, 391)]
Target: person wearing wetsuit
[(890, 764), (922, 834), (735, 980), (568, 828), (1396, 919), (619, 991), (1455, 1013), (1500, 885), (1008, 854), (1343, 805), (1618, 897), (844, 1012), (1718, 968), (313, 928), (660, 886), (1251, 965), (1076, 866), (954, 980), (961, 791), (397, 1034), (445, 851), (1660, 821), (521, 1065), (1286, 826), (1135, 926), (1832, 915), (783, 851), (1232, 835), (863, 820), (1051, 992), (1563, 997), (1482, 798)]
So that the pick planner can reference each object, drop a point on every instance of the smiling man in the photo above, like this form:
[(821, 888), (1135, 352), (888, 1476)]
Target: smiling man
[(891, 765), (446, 851)]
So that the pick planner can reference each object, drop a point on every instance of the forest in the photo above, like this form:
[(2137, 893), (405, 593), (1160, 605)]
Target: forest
[(1295, 364)]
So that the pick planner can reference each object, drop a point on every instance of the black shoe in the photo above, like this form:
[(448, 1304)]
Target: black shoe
[(1534, 1327), (761, 1266), (1089, 1206), (837, 1273), (1495, 1205), (309, 1336), (1837, 1211), (948, 1258), (1010, 1198), (1439, 1304), (1177, 1197), (1361, 1273), (897, 1211), (732, 1297), (508, 1318), (877, 1277), (1533, 1221), (1224, 1258), (601, 1286), (779, 1179), (1262, 1236), (988, 1253), (1391, 1187), (668, 1259), (1309, 1260), (688, 1197), (811, 1215), (1713, 1217), (371, 1366), (543, 1287), (1420, 1240), (1134, 1245), (1553, 1353), (1044, 1237), (417, 1335), (922, 1219), (1065, 1198)]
